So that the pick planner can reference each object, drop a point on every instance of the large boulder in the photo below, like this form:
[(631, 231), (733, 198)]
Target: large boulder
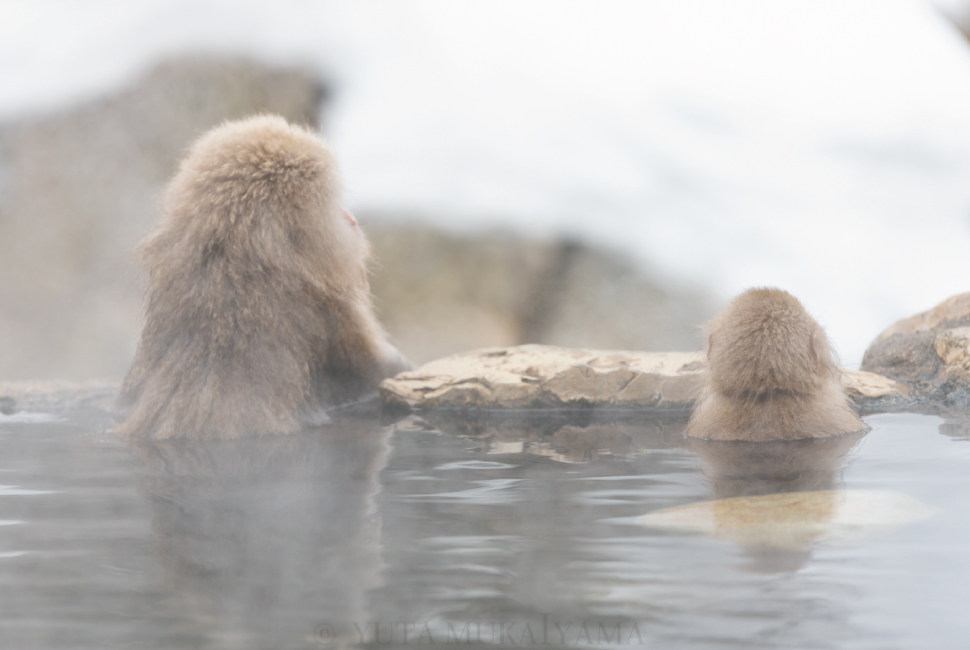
[(440, 293), (929, 351)]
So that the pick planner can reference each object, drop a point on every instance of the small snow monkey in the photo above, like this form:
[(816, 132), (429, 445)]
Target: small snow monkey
[(258, 314), (771, 375)]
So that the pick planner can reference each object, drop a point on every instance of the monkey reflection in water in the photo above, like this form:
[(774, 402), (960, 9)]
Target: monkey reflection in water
[(258, 313), (775, 499), (263, 540)]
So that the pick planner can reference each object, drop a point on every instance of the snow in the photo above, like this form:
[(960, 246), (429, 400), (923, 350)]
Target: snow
[(818, 145)]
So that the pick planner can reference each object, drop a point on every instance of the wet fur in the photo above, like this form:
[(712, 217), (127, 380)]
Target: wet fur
[(771, 375), (258, 314)]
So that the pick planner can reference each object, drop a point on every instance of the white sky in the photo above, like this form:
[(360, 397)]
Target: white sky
[(818, 145)]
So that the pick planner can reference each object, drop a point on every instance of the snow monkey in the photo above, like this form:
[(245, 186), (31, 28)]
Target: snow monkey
[(771, 375), (258, 309)]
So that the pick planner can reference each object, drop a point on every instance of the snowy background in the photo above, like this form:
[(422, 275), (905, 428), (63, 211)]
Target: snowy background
[(821, 146)]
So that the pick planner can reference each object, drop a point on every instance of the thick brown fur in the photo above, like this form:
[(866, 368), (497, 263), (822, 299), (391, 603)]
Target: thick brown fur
[(771, 375), (258, 314)]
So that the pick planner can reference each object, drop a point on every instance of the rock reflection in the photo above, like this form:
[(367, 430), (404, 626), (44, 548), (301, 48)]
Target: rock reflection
[(502, 519), (265, 540), (567, 437), (955, 425)]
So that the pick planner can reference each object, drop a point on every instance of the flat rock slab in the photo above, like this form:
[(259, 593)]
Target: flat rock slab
[(52, 396), (543, 376)]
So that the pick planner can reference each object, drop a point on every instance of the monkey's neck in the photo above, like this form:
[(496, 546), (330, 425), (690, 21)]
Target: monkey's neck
[(771, 395)]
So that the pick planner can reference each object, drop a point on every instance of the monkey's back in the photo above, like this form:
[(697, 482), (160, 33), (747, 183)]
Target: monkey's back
[(771, 375), (773, 417), (257, 309)]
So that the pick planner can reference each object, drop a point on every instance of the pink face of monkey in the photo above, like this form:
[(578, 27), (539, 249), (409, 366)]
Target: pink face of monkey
[(350, 219)]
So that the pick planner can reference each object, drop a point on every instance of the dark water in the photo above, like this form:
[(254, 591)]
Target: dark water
[(502, 532)]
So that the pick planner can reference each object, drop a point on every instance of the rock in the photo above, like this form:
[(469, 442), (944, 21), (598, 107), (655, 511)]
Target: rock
[(55, 395), (952, 312), (78, 190), (440, 294), (907, 358), (872, 393), (952, 346), (540, 376), (930, 352)]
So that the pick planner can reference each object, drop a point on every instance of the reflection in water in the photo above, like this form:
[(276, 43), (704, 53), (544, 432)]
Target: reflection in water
[(956, 426), (777, 535), (256, 544), (739, 468), (564, 436), (558, 552), (513, 534), (778, 530), (777, 499), (264, 540)]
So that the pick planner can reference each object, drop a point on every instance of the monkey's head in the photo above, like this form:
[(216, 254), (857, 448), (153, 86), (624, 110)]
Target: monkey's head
[(264, 192), (766, 343)]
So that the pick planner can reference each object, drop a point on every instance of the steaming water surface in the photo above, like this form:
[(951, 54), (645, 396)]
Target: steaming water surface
[(507, 532)]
